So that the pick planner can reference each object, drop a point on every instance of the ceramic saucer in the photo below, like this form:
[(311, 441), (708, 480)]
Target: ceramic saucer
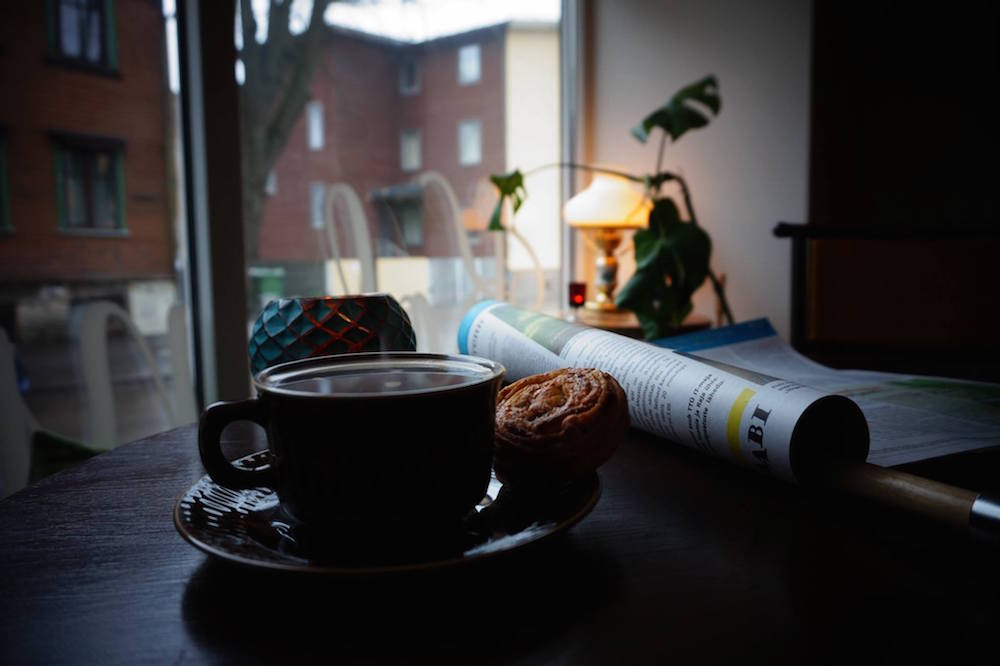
[(250, 527)]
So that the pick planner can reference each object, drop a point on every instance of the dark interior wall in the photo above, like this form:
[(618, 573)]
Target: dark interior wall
[(904, 114), (903, 167)]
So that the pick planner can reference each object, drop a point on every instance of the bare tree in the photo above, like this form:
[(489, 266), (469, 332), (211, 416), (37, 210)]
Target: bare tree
[(277, 85)]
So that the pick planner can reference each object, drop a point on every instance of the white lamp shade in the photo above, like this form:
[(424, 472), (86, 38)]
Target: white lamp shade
[(608, 202)]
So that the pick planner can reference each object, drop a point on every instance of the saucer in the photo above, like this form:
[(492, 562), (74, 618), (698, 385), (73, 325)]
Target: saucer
[(251, 527)]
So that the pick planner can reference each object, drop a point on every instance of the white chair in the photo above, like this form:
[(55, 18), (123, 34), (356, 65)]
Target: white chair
[(17, 425), (355, 222), (95, 362)]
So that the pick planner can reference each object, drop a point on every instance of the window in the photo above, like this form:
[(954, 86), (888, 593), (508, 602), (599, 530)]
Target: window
[(271, 184), (468, 64), (82, 32), (314, 116), (317, 193), (409, 150), (409, 77), (5, 224), (470, 142), (89, 183)]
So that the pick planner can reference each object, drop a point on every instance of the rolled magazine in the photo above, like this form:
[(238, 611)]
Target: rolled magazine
[(772, 425)]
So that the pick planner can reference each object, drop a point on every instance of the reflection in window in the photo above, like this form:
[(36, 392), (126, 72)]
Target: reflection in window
[(89, 183), (468, 64), (81, 31), (409, 77), (314, 116), (470, 142), (409, 150)]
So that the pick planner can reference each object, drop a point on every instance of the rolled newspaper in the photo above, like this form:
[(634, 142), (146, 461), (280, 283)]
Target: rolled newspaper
[(772, 425)]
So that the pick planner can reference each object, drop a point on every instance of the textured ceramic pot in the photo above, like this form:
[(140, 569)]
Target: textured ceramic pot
[(356, 440), (289, 329)]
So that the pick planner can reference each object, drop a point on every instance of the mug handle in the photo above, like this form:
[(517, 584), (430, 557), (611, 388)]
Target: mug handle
[(210, 426)]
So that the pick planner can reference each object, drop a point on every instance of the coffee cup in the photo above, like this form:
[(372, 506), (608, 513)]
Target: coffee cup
[(397, 438)]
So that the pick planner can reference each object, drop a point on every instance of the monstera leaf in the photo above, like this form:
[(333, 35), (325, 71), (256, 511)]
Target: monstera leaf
[(671, 263), (510, 185), (687, 109)]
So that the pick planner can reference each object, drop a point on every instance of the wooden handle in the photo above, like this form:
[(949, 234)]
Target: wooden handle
[(940, 502)]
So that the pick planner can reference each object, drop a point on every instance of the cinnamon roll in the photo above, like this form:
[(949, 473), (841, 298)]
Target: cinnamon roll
[(558, 426)]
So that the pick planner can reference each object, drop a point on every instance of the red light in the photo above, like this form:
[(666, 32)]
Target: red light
[(577, 294)]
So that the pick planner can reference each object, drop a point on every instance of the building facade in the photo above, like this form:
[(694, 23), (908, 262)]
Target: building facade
[(83, 156)]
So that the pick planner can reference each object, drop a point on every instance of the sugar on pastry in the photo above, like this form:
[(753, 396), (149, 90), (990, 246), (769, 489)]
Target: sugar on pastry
[(558, 426)]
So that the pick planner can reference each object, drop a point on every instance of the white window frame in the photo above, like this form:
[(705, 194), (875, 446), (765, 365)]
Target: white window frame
[(405, 89), (412, 134), (470, 65), (315, 130), (464, 126)]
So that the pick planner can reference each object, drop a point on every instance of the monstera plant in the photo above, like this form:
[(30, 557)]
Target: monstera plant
[(672, 253)]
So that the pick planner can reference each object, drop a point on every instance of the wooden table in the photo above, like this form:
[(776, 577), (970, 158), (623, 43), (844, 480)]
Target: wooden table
[(684, 559)]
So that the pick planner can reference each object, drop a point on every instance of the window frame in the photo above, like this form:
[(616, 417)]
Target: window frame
[(470, 122), (108, 65), (66, 142), (403, 133), (6, 227), (315, 125), (468, 48), (413, 90)]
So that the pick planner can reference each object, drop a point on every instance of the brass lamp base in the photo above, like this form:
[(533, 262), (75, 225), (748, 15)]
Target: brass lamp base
[(606, 240)]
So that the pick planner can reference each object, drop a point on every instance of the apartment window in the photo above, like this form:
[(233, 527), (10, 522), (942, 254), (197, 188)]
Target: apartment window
[(409, 150), (82, 32), (5, 224), (469, 65), (271, 184), (317, 194), (409, 77), (89, 183), (470, 142), (314, 122)]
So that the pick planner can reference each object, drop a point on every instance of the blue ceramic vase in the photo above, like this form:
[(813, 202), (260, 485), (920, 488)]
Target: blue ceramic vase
[(288, 329)]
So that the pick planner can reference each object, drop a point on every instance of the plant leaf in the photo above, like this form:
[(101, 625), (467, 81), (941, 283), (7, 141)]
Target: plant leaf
[(686, 109), (510, 185), (671, 263)]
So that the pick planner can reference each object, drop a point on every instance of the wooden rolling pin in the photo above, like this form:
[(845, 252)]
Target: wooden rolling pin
[(957, 508)]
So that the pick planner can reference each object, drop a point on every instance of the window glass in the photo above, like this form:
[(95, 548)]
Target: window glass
[(90, 270), (409, 150), (409, 77), (468, 64), (88, 184), (314, 114), (80, 26), (408, 195), (316, 193), (470, 142)]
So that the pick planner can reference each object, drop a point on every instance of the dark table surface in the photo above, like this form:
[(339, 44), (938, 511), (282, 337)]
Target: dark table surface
[(683, 559)]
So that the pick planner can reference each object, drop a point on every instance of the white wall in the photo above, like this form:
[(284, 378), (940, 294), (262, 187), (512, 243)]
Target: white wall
[(748, 168), (531, 119)]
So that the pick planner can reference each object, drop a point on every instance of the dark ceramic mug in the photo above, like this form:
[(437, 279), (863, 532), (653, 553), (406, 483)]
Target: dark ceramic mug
[(399, 438), (288, 329)]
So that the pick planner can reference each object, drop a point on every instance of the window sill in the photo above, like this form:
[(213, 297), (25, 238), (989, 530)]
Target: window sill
[(96, 233), (83, 66)]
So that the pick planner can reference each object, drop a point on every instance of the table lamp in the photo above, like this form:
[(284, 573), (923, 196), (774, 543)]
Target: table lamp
[(603, 211)]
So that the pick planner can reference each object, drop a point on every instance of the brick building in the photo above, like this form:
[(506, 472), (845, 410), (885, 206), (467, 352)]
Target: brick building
[(83, 158), (382, 112)]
